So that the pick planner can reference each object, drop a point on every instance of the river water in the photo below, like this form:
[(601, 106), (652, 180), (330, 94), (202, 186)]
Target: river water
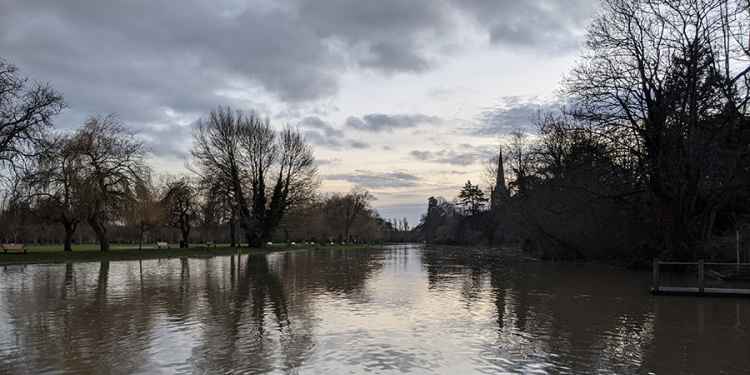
[(394, 309)]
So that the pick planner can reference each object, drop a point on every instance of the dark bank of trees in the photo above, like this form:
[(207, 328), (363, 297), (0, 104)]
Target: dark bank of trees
[(649, 156), (252, 183)]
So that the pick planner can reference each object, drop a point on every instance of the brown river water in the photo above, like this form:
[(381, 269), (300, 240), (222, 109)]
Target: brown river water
[(401, 308)]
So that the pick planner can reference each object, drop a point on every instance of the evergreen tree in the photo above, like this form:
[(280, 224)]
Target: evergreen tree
[(472, 198)]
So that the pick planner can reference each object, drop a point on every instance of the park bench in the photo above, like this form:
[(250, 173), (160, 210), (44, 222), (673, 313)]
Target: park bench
[(162, 245), (13, 248), (210, 244)]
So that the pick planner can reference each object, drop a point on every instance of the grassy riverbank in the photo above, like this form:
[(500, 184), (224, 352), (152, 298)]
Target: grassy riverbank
[(90, 252)]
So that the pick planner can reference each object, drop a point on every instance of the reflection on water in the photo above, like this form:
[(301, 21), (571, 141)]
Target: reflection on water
[(394, 309)]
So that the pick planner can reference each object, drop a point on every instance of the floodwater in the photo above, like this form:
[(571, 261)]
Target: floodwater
[(387, 310)]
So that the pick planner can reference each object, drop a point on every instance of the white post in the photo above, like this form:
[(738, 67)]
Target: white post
[(701, 277)]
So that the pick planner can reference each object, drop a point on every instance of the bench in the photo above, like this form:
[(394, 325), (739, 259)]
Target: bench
[(162, 245), (13, 248), (210, 244)]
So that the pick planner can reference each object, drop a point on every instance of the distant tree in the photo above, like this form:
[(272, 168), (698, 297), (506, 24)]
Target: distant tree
[(348, 208), (182, 208), (216, 208), (57, 183), (112, 166), (26, 111), (144, 210), (520, 154), (472, 198)]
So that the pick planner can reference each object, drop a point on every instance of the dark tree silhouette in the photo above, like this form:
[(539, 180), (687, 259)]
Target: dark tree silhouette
[(26, 111), (472, 198), (240, 149), (111, 161), (58, 183), (664, 84), (180, 203)]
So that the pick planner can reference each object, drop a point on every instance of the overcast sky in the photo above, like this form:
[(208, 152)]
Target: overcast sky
[(406, 98)]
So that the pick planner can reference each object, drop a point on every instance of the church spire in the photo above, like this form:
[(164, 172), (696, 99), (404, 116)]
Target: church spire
[(500, 192)]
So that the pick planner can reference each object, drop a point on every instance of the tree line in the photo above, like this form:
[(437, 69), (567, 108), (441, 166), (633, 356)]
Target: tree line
[(647, 157), (249, 183)]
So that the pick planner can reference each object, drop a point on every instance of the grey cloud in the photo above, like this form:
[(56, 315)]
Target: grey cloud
[(385, 35), (550, 26), (167, 141), (332, 161), (143, 58), (158, 62), (318, 139), (464, 156), (377, 180), (421, 155), (315, 123), (378, 122), (513, 113), (321, 133), (359, 145)]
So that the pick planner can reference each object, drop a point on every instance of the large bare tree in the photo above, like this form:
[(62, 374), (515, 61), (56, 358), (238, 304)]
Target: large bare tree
[(57, 183), (112, 166), (26, 111), (665, 84), (267, 170)]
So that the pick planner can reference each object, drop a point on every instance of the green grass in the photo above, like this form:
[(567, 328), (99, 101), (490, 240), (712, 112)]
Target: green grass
[(90, 252)]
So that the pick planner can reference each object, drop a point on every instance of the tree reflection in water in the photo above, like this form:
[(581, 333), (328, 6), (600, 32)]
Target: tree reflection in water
[(400, 308)]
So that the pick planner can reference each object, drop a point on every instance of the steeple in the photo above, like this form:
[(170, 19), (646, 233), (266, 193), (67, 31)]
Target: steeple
[(500, 192)]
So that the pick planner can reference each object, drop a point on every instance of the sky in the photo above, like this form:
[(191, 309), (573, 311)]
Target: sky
[(405, 98)]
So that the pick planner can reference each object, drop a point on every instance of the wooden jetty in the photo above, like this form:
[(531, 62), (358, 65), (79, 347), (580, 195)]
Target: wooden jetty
[(721, 282)]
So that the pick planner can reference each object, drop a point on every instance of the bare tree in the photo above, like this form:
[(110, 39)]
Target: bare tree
[(241, 149), (144, 209), (295, 178), (220, 207), (222, 160), (182, 208), (57, 183), (520, 160), (112, 167), (26, 111), (344, 210), (665, 83)]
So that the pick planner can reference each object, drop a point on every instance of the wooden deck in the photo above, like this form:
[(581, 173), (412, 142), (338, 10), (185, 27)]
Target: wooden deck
[(700, 289), (696, 292)]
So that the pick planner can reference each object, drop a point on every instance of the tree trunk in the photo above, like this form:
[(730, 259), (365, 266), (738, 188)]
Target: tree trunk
[(185, 236), (232, 232), (347, 227), (140, 237), (70, 229), (101, 234)]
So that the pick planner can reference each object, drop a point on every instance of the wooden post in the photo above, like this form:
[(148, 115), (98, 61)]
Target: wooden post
[(737, 235), (656, 275), (701, 285)]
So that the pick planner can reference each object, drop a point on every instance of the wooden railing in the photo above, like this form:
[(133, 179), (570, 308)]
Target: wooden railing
[(700, 274)]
